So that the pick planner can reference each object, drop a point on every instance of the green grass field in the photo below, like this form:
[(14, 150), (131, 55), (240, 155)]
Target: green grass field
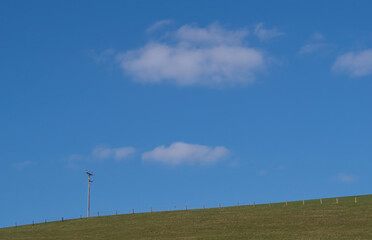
[(345, 220)]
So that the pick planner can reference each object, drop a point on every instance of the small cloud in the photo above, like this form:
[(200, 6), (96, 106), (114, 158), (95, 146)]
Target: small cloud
[(24, 164), (159, 24), (312, 47), (355, 64), (102, 152), (184, 153), (317, 37), (266, 34), (103, 56), (124, 152), (346, 178), (316, 43)]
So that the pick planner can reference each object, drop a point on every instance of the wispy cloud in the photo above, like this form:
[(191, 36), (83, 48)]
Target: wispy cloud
[(184, 153), (317, 36), (266, 34), (192, 55), (102, 152), (355, 64), (158, 25), (346, 178), (102, 56), (316, 43), (213, 34), (24, 164), (311, 48)]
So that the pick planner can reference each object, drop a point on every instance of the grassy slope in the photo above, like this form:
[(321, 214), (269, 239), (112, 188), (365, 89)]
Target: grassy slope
[(345, 220)]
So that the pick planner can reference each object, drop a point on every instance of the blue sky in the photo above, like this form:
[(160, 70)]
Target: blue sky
[(172, 103)]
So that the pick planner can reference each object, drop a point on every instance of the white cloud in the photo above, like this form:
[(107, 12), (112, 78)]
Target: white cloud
[(102, 152), (191, 55), (346, 178), (355, 64), (266, 34), (159, 24), (183, 153)]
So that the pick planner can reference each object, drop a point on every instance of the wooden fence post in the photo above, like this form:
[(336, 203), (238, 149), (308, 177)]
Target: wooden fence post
[(321, 201), (303, 202), (254, 204), (133, 211), (336, 200), (150, 209), (286, 203), (355, 200)]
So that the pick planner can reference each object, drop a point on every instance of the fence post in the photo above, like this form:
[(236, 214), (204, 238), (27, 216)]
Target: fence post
[(186, 207), (254, 204), (133, 211), (303, 202), (321, 201), (286, 203), (355, 200), (116, 212), (150, 209), (336, 200), (219, 205)]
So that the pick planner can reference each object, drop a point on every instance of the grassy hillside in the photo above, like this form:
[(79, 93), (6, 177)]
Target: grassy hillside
[(345, 220)]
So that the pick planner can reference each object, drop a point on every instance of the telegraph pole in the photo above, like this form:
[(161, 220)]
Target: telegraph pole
[(89, 181)]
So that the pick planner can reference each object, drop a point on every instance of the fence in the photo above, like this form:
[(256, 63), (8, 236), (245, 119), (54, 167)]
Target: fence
[(188, 208)]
